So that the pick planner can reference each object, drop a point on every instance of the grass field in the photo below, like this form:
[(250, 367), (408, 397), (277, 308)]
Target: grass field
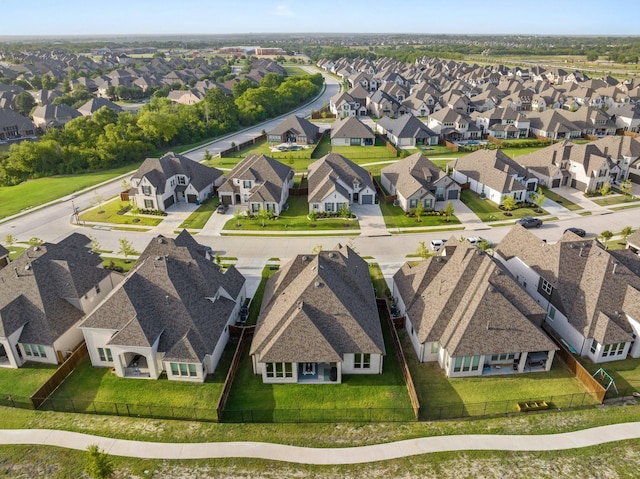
[(625, 373), (199, 217), (614, 200), (256, 301), (395, 217), (487, 210), (379, 283), (108, 213), (25, 380), (561, 200)]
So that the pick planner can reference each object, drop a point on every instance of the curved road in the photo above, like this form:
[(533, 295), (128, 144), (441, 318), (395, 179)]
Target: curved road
[(324, 456)]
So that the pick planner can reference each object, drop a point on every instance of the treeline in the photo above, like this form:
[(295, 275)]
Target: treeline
[(108, 140)]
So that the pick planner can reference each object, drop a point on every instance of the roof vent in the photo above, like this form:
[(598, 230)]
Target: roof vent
[(158, 258), (304, 258), (492, 289), (479, 252), (36, 248), (160, 240), (331, 255), (27, 267), (317, 284)]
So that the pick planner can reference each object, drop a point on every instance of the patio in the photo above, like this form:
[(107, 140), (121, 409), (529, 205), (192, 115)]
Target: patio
[(137, 367), (316, 373)]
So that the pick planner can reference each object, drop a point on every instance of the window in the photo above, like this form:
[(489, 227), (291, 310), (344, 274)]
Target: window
[(457, 364), (612, 349), (184, 369), (355, 141), (551, 315), (279, 370), (434, 348), (602, 173), (246, 184), (546, 287), (594, 346), (35, 350), (362, 361), (97, 289), (105, 354), (148, 204), (413, 203), (466, 363), (475, 363), (328, 207), (182, 180)]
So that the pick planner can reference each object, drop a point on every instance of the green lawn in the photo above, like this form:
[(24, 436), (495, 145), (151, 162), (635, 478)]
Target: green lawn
[(487, 210), (379, 283), (36, 192), (125, 264), (108, 213), (293, 70), (626, 207), (26, 380), (625, 373), (199, 217), (15, 251), (256, 301), (395, 217), (294, 219), (561, 200), (611, 200), (440, 395), (377, 152), (365, 397)]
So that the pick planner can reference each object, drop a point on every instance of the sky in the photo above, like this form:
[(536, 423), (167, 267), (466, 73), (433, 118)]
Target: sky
[(148, 17)]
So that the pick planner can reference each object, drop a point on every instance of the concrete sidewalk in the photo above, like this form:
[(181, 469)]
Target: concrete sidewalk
[(326, 456)]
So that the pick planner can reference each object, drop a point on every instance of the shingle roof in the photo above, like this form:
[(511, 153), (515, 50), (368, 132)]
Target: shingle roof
[(158, 171), (350, 127), (318, 308), (39, 289), (327, 174), (268, 174), (467, 303), (173, 294), (300, 126), (589, 282), (492, 168), (3, 251), (406, 126), (412, 173), (633, 239)]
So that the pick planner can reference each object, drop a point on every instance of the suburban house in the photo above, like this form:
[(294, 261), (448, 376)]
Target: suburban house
[(318, 321), (633, 242), (257, 182), (583, 167), (494, 175), (159, 183), (503, 123), (343, 105), (452, 125), (380, 103), (624, 151), (171, 314), (626, 118), (186, 97), (336, 182), (4, 257), (591, 296), (551, 124), (351, 132), (416, 179), (465, 311), (93, 105), (294, 129), (406, 131), (13, 125), (53, 116), (45, 293)]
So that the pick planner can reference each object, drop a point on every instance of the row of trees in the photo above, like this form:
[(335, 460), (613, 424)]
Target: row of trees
[(108, 140)]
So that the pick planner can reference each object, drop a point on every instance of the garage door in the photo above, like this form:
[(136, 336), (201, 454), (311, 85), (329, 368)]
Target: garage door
[(555, 183), (452, 195), (192, 198), (635, 178), (367, 199), (169, 201)]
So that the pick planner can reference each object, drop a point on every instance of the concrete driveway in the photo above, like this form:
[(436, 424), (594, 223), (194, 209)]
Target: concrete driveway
[(371, 220)]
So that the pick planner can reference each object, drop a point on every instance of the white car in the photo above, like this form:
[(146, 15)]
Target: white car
[(437, 244)]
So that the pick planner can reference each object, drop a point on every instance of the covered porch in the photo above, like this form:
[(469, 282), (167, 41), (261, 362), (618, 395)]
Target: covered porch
[(530, 362), (134, 365), (317, 373)]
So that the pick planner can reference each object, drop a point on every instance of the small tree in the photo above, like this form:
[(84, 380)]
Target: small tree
[(95, 244), (34, 241), (485, 244), (606, 189), (9, 240), (606, 236), (126, 248), (312, 217), (262, 215), (449, 210), (98, 199), (423, 250), (418, 211), (237, 215), (509, 203), (538, 199), (626, 187), (207, 156), (125, 184), (317, 248), (98, 465), (626, 231)]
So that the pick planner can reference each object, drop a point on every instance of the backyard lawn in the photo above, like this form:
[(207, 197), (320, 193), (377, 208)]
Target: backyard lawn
[(294, 219), (365, 397), (108, 213), (199, 217), (625, 373), (395, 217), (440, 395), (487, 210), (25, 380)]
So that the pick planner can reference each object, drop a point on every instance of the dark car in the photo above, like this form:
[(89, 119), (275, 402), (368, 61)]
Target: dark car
[(577, 231), (529, 222), (221, 208)]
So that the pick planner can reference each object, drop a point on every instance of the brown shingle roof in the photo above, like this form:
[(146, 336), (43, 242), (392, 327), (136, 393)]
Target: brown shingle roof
[(492, 168)]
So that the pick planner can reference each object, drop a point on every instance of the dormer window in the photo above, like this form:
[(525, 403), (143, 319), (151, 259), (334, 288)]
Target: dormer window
[(182, 180)]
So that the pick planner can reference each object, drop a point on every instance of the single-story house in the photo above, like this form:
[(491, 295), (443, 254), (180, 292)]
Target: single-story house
[(171, 313), (406, 131), (318, 321), (351, 131), (465, 311), (14, 125), (294, 129), (159, 183)]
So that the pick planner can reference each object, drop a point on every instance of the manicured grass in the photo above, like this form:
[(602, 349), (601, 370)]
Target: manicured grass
[(294, 219), (424, 230), (25, 380), (15, 251), (293, 71), (108, 213), (395, 217), (487, 210), (625, 373), (378, 151), (125, 264), (264, 148), (379, 283), (358, 396), (256, 301), (467, 396), (199, 217), (36, 192), (633, 205), (611, 200), (561, 200)]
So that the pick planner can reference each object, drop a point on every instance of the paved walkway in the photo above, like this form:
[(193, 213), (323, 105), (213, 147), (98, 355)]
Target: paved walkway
[(324, 456)]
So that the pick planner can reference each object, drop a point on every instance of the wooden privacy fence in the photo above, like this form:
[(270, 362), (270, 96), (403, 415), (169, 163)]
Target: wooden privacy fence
[(245, 337), (59, 375)]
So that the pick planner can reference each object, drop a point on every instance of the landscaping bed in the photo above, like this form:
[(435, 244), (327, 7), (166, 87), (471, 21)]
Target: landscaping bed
[(487, 210), (109, 213), (395, 217)]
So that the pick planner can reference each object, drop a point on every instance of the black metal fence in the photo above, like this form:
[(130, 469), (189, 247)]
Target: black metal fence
[(318, 415)]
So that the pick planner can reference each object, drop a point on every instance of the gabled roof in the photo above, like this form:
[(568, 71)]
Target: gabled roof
[(328, 172), (470, 305), (406, 126), (175, 296), (494, 169), (318, 308), (590, 282), (158, 171), (299, 126), (412, 173), (269, 177), (618, 147), (38, 289), (351, 127)]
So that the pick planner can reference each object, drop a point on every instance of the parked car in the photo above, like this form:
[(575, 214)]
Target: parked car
[(437, 244), (577, 231), (529, 222), (222, 208)]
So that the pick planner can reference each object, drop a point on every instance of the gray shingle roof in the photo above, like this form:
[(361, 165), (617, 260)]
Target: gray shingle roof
[(350, 127), (299, 126), (589, 282), (412, 173), (269, 175), (326, 173), (317, 308), (492, 168), (467, 303), (173, 294), (406, 126)]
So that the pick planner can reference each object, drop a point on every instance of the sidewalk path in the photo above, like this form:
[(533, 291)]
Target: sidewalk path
[(326, 456)]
